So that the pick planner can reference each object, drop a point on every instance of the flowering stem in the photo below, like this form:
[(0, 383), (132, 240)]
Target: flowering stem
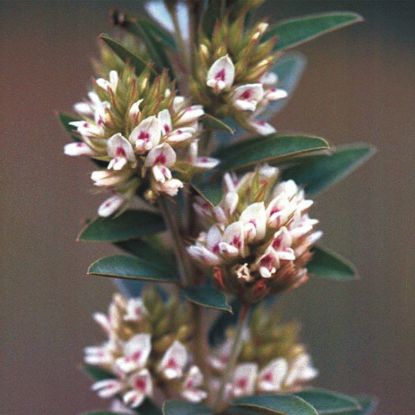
[(185, 267), (233, 357)]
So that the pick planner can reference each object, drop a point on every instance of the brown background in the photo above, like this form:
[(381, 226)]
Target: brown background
[(359, 86)]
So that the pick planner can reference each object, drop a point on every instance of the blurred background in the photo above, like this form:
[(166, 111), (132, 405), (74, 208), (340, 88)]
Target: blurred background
[(359, 86)]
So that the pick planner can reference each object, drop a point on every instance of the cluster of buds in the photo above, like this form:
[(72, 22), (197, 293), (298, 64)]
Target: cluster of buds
[(233, 77), (259, 237), (146, 350), (146, 135), (271, 359)]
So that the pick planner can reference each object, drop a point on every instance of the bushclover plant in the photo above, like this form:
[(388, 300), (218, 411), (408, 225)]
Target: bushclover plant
[(212, 208)]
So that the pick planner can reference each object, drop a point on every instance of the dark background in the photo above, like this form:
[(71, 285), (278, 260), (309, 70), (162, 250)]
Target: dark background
[(359, 86)]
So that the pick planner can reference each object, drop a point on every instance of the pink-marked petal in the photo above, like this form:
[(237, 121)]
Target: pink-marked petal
[(111, 205), (221, 74), (79, 149), (246, 97), (271, 377), (244, 379), (146, 135), (174, 361)]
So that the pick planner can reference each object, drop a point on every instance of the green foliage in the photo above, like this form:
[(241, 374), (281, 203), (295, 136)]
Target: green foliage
[(121, 266), (293, 32), (277, 404), (327, 402), (209, 121), (65, 119), (96, 373), (185, 408), (327, 264), (130, 225), (137, 62), (317, 173), (267, 149), (207, 296)]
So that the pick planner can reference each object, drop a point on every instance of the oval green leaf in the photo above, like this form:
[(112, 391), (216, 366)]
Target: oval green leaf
[(131, 224), (265, 149), (316, 173), (327, 402), (293, 32), (185, 408), (329, 265), (278, 404), (207, 296), (126, 55), (128, 267)]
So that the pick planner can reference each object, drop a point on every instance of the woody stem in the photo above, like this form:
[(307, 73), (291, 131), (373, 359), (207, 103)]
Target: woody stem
[(233, 357)]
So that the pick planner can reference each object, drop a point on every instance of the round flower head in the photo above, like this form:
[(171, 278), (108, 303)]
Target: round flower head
[(232, 75), (146, 348), (271, 359), (144, 135), (257, 240)]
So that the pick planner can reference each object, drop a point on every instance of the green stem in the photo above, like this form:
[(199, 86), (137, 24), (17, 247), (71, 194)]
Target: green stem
[(233, 357)]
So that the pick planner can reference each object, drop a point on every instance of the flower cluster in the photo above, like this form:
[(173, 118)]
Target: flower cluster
[(271, 358), (259, 237), (233, 76), (146, 349), (143, 132)]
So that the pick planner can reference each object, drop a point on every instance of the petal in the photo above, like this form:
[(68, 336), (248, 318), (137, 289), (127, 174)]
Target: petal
[(205, 163), (135, 310), (221, 74), (273, 94), (269, 78), (111, 205), (79, 149), (165, 121), (203, 255), (271, 376), (107, 388), (162, 154), (103, 321), (136, 351), (142, 382), (181, 134), (119, 146), (255, 215), (170, 187), (135, 110), (213, 237), (246, 97), (174, 361), (244, 379), (231, 202), (161, 173), (190, 114), (262, 127), (147, 134)]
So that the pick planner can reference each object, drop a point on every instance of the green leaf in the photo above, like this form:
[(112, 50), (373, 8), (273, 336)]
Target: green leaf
[(293, 32), (277, 404), (327, 264), (65, 119), (96, 373), (367, 403), (214, 123), (122, 266), (207, 296), (210, 190), (265, 149), (327, 402), (185, 408), (126, 55), (289, 69), (317, 173), (217, 331), (130, 225)]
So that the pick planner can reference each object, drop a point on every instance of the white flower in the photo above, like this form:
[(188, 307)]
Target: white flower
[(274, 94), (203, 254), (190, 115), (174, 360), (107, 388), (165, 121), (146, 135), (300, 370), (79, 149), (244, 377), (99, 355), (141, 386), (255, 221), (120, 151), (271, 377), (135, 110), (135, 353), (191, 385), (135, 310), (111, 205), (262, 127), (221, 74), (160, 158), (87, 129), (170, 187), (110, 84), (202, 162), (246, 97), (181, 134), (232, 243)]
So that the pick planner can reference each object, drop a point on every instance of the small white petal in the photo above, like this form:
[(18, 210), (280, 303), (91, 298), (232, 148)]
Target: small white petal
[(190, 114), (170, 187), (107, 388), (111, 205), (174, 361), (79, 149), (269, 78), (146, 135), (162, 154), (244, 379), (271, 376), (135, 110), (262, 127), (221, 74), (246, 97), (165, 121), (255, 215), (274, 94)]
